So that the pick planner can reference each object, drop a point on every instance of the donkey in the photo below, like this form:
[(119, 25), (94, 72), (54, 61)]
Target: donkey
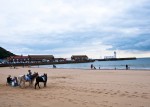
[(41, 79), (22, 80)]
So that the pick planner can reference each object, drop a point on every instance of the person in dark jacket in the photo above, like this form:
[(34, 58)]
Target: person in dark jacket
[(127, 67), (9, 80)]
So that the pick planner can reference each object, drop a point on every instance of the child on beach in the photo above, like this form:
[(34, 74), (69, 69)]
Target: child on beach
[(29, 75), (15, 81)]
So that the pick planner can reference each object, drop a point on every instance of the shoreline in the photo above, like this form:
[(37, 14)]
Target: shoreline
[(92, 69), (78, 68)]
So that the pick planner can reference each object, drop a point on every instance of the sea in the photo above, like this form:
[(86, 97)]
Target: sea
[(136, 64)]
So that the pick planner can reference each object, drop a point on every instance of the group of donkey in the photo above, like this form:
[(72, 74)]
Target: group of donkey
[(35, 76)]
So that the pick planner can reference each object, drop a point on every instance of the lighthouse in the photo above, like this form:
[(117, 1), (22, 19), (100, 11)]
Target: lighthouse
[(115, 54)]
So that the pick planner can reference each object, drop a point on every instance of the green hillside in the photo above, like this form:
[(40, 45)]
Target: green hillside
[(4, 53)]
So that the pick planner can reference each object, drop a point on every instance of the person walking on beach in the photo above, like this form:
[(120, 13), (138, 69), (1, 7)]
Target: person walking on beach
[(127, 67), (54, 66), (92, 66)]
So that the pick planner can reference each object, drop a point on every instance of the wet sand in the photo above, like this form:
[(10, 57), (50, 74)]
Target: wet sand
[(78, 88)]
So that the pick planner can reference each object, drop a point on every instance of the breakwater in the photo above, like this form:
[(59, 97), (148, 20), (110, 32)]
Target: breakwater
[(116, 59)]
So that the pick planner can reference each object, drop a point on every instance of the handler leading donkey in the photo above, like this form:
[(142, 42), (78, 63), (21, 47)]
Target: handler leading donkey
[(41, 79)]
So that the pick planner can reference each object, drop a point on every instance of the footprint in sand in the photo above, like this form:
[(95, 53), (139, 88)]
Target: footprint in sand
[(115, 103), (144, 96), (126, 92), (135, 92), (99, 92), (145, 93), (122, 95), (114, 93), (106, 93), (105, 101), (118, 91)]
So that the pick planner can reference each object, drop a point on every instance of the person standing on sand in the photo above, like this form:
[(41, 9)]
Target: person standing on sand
[(54, 66), (127, 67), (92, 66)]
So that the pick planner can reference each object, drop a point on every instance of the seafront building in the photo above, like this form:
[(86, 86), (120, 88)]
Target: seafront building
[(30, 58), (43, 58), (60, 59), (79, 58), (18, 59)]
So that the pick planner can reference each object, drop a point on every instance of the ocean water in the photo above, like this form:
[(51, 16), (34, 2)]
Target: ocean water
[(139, 63)]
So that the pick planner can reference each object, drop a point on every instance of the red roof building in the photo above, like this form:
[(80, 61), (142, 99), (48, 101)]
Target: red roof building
[(18, 59)]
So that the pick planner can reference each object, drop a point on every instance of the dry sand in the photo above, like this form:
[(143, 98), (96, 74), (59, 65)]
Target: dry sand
[(79, 88)]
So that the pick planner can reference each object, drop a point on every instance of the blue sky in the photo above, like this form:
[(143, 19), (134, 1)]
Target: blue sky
[(63, 28)]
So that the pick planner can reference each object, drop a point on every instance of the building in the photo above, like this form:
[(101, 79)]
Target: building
[(79, 58), (41, 58), (30, 58), (18, 59), (60, 59)]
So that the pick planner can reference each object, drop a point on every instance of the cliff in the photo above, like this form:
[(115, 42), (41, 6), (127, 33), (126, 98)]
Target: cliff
[(4, 53)]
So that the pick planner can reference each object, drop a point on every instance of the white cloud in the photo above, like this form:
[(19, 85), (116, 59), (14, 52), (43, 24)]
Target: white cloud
[(54, 16), (34, 23)]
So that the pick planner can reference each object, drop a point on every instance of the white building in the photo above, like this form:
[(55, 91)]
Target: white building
[(110, 57)]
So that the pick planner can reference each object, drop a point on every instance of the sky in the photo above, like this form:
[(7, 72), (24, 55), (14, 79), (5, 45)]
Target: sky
[(63, 28)]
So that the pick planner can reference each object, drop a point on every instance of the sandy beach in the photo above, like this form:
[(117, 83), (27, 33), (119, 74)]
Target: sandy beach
[(78, 88)]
